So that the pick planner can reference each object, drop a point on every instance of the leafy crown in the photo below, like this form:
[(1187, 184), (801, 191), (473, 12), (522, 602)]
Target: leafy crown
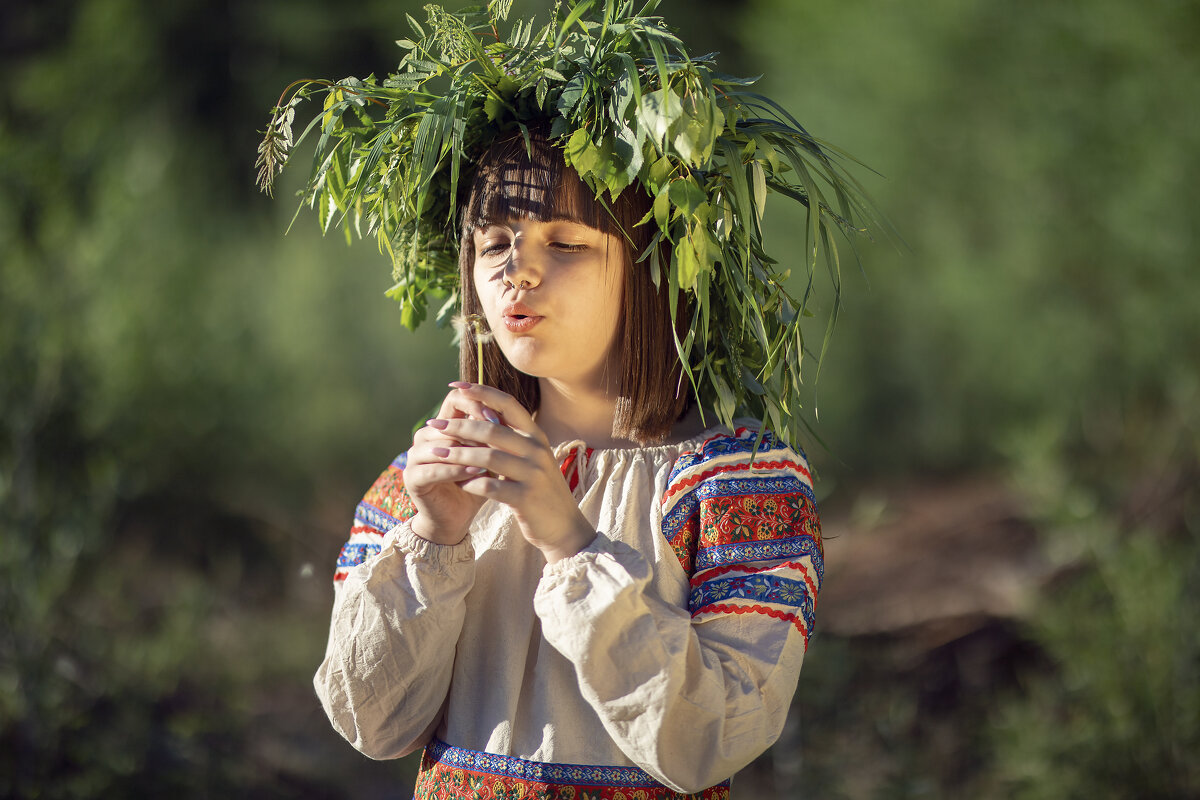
[(630, 109)]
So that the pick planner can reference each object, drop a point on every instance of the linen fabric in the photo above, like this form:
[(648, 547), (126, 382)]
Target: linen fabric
[(671, 646)]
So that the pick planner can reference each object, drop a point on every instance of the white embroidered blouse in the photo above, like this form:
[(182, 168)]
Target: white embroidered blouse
[(672, 644)]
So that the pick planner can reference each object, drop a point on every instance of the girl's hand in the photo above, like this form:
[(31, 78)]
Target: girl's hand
[(500, 437), (444, 510)]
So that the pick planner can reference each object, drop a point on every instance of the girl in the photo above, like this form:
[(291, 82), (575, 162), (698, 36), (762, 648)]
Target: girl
[(567, 587)]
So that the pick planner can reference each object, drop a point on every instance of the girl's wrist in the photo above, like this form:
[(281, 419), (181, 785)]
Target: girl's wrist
[(423, 527), (579, 539)]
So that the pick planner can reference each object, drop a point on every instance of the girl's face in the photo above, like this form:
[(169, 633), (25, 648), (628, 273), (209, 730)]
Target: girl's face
[(551, 292)]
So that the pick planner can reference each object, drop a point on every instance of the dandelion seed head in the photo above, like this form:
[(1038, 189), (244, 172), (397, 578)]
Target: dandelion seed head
[(471, 327)]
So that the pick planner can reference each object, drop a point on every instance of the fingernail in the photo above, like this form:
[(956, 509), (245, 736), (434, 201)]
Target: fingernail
[(459, 384), (440, 424), (475, 470), (441, 452), (490, 415)]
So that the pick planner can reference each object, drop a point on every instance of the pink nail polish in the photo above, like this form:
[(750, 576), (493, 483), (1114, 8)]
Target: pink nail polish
[(475, 470), (459, 385), (490, 415), (441, 452), (439, 424)]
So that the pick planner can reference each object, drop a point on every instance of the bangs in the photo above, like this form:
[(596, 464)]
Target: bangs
[(512, 182)]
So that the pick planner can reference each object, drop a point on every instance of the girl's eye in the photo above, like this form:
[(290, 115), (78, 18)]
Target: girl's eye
[(494, 249), (569, 247)]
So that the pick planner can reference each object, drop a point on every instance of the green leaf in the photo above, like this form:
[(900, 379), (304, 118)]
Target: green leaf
[(660, 111), (662, 207), (622, 93), (493, 106), (581, 153), (415, 26), (760, 190), (571, 94), (686, 264), (750, 383), (726, 402), (686, 194), (660, 171), (573, 17), (626, 147)]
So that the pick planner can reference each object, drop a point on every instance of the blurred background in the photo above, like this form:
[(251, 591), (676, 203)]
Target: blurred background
[(193, 402)]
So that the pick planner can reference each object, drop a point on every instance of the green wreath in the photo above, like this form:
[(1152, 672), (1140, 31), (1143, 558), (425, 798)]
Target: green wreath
[(629, 107)]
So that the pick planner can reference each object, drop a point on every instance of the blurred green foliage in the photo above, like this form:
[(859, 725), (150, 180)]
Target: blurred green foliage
[(177, 397), (192, 403), (1120, 717), (1041, 163)]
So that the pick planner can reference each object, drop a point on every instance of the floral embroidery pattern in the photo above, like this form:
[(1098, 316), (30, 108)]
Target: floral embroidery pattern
[(747, 534), (724, 511), (741, 553), (754, 510), (455, 773), (385, 505), (387, 494), (760, 588)]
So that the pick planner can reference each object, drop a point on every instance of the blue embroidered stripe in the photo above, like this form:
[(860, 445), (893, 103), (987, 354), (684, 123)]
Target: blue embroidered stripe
[(513, 767), (689, 504), (370, 515), (401, 461), (771, 550), (723, 446), (354, 554), (723, 486), (760, 588)]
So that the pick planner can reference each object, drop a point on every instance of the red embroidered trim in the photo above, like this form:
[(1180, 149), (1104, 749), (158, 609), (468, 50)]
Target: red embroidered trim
[(774, 613), (572, 476), (365, 529), (737, 434), (709, 574), (687, 483)]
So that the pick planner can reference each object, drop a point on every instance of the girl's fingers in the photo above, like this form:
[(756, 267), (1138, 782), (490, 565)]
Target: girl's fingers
[(426, 437), (469, 431), (429, 474), (487, 459), (509, 492), (512, 413), (458, 404)]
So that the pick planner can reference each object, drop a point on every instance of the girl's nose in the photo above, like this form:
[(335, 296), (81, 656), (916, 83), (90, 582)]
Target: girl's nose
[(524, 267)]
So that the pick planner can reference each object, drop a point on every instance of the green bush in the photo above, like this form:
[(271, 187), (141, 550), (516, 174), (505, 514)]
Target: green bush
[(1118, 715)]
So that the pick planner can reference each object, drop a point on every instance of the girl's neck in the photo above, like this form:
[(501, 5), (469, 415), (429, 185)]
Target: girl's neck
[(569, 412), (566, 414)]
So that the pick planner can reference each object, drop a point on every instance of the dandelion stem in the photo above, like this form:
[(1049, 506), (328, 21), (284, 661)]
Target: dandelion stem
[(478, 323)]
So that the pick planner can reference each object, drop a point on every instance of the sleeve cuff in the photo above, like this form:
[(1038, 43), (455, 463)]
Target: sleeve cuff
[(438, 555), (601, 546), (593, 577)]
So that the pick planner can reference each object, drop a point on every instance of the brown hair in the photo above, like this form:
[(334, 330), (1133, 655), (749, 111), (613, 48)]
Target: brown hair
[(512, 181)]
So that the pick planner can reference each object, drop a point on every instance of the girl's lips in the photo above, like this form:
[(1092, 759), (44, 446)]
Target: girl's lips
[(520, 324), (519, 318)]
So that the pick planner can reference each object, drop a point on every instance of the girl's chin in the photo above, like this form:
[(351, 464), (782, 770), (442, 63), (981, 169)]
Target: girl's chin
[(537, 365), (524, 356), (539, 359)]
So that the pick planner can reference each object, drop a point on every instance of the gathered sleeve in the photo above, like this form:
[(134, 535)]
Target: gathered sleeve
[(399, 604), (691, 695)]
